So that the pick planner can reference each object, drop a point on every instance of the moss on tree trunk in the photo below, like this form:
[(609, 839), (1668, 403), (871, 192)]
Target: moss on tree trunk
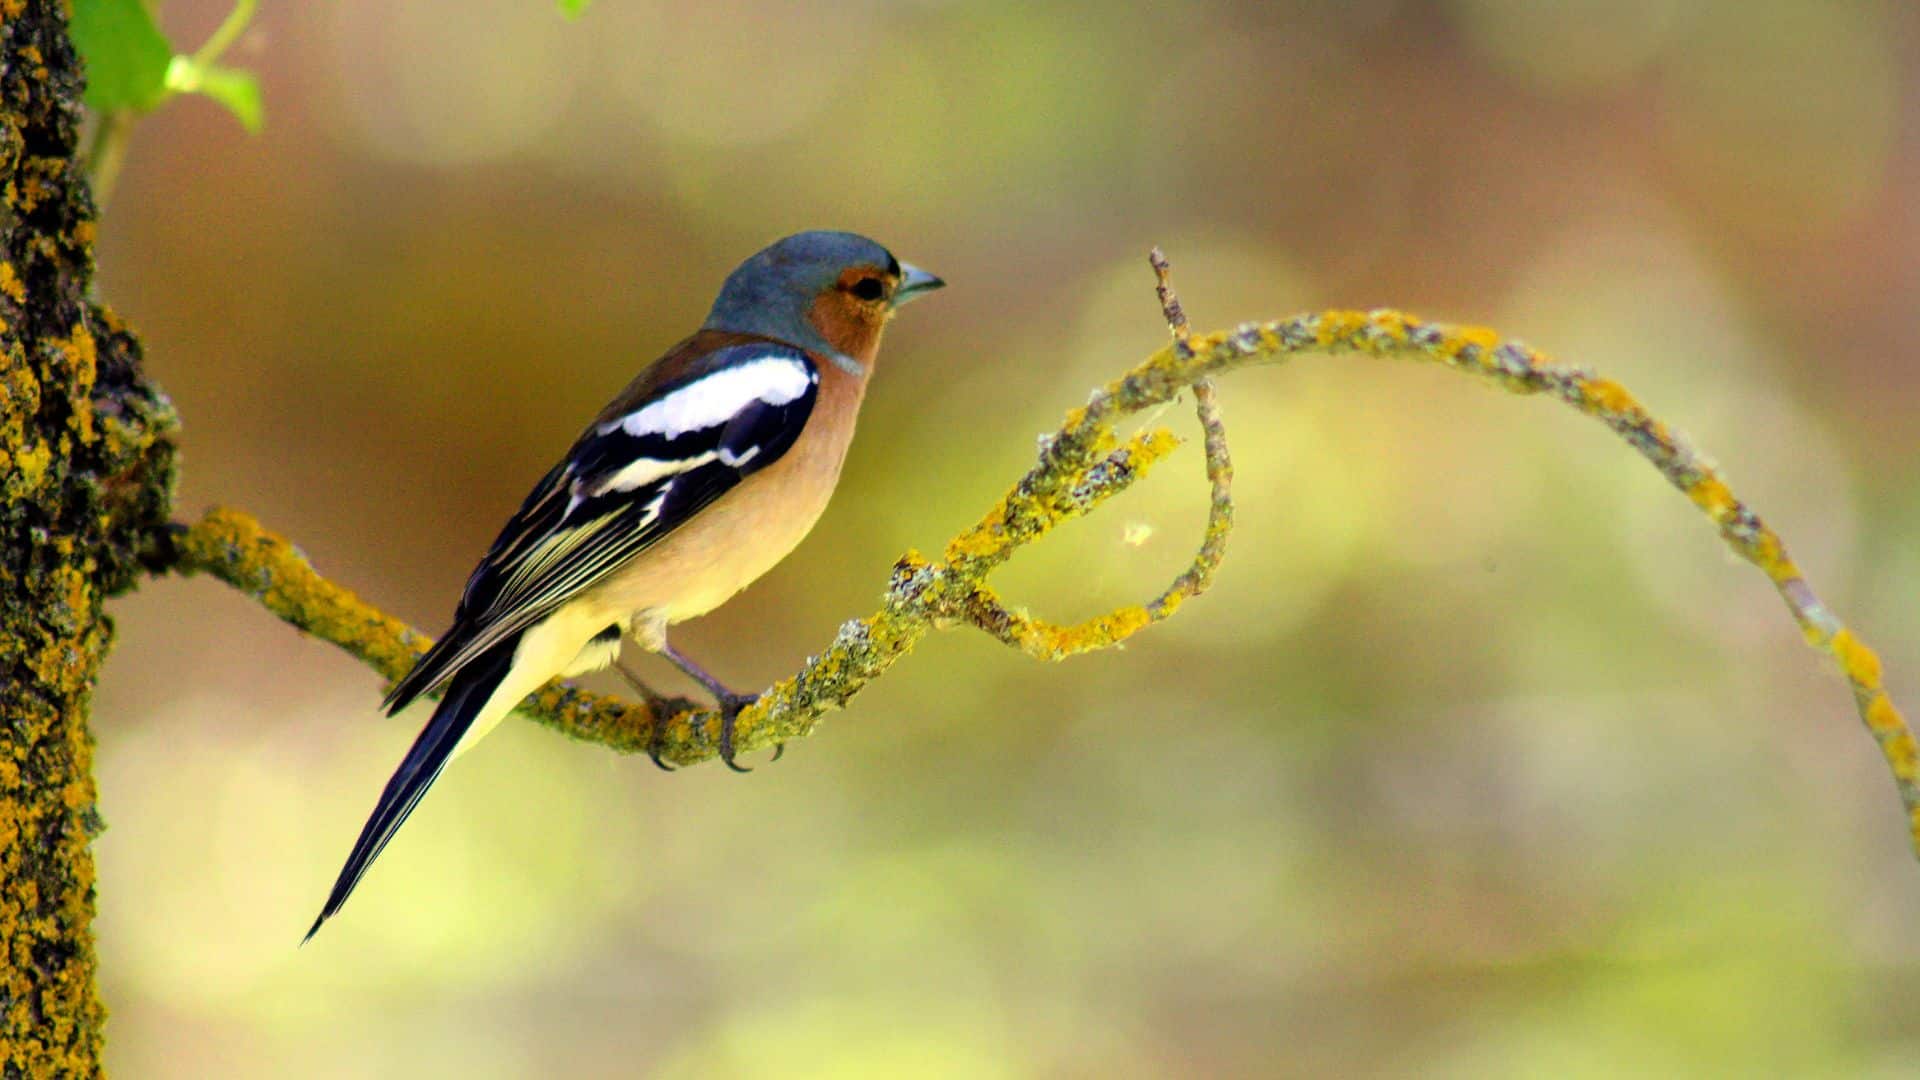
[(86, 468)]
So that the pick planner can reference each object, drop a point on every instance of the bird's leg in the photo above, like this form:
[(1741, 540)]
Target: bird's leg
[(730, 703), (656, 705)]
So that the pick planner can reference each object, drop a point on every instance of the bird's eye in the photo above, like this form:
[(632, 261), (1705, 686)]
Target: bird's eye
[(869, 288)]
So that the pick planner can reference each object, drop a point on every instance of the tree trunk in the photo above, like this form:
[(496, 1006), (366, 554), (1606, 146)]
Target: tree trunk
[(86, 468)]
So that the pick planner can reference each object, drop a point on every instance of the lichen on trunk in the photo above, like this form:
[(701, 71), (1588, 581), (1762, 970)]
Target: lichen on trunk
[(86, 472)]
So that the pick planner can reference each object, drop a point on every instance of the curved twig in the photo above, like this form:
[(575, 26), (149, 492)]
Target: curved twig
[(1043, 640)]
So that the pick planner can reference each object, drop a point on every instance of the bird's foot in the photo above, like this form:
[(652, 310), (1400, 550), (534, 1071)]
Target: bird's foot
[(664, 710), (659, 708), (653, 741), (730, 706), (729, 703)]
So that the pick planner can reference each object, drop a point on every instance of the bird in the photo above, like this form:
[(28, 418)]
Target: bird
[(706, 471)]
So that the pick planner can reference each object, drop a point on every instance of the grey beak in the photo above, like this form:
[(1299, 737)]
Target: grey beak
[(914, 282)]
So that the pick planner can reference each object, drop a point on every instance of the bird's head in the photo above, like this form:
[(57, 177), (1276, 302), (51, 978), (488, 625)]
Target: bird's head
[(829, 292)]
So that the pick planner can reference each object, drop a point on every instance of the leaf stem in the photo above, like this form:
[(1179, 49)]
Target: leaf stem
[(107, 153), (225, 34)]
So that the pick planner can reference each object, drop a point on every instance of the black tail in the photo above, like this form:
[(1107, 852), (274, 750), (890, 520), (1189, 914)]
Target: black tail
[(466, 695), (427, 671)]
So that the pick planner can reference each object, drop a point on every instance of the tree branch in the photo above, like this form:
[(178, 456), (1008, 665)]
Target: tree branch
[(1081, 465), (86, 477)]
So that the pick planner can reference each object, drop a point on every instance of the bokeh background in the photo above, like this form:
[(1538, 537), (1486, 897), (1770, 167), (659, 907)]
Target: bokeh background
[(1483, 758)]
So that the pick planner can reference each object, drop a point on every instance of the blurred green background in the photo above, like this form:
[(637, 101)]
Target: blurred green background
[(1483, 758)]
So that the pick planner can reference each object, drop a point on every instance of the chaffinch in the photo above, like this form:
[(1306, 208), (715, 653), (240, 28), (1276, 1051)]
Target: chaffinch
[(702, 474)]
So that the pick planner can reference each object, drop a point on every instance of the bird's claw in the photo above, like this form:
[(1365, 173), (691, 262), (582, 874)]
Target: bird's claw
[(660, 709), (653, 740), (730, 706)]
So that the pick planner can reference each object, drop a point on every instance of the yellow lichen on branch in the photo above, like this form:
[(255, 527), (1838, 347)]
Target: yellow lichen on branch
[(1079, 466), (233, 547)]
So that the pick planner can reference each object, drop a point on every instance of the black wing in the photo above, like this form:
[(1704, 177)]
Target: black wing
[(630, 480)]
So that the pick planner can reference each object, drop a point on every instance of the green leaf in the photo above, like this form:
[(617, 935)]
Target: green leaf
[(125, 52), (238, 90), (572, 8)]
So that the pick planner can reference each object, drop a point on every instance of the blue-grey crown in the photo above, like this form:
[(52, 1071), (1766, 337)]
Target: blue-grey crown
[(770, 293)]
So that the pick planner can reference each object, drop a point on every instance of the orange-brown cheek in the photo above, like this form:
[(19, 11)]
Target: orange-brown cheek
[(847, 325)]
